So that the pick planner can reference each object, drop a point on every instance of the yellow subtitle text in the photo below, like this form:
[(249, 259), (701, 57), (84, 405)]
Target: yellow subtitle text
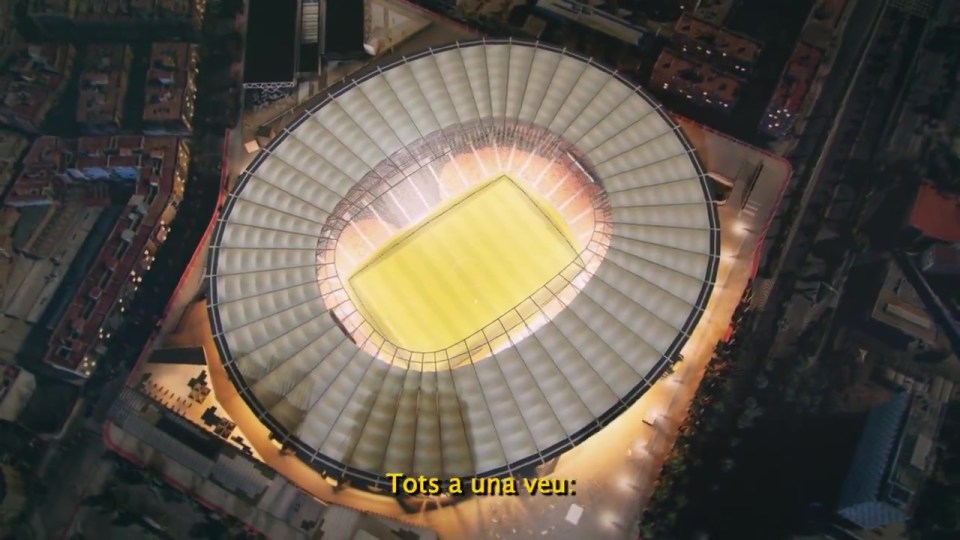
[(424, 485)]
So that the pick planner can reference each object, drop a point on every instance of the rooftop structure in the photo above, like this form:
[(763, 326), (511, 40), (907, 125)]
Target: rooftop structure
[(700, 83), (33, 83), (12, 147), (52, 17), (864, 499), (390, 25), (171, 89), (919, 8), (8, 220), (423, 171), (596, 16), (828, 12), (941, 259), (60, 18), (56, 224), (10, 39), (13, 497), (272, 44), (895, 455), (57, 170), (936, 214), (142, 430), (715, 45), (103, 87), (827, 22), (16, 387), (899, 306), (792, 90)]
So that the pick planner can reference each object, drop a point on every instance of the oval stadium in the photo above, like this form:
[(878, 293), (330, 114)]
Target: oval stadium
[(460, 264)]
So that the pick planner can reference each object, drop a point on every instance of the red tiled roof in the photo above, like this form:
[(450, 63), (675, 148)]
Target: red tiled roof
[(168, 77), (103, 84), (797, 77), (720, 42), (696, 78), (936, 214), (32, 83), (157, 160)]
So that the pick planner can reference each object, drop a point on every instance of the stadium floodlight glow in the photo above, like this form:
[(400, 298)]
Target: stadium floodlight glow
[(461, 264)]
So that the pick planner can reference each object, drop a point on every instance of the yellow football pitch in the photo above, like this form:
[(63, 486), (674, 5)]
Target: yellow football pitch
[(462, 268)]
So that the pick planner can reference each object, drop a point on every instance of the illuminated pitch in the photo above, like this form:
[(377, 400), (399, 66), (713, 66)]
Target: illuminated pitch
[(463, 267)]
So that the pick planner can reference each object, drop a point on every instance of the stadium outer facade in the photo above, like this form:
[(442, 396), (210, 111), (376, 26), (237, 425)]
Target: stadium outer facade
[(333, 404)]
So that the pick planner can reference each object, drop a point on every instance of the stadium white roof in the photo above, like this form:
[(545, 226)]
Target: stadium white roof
[(356, 416)]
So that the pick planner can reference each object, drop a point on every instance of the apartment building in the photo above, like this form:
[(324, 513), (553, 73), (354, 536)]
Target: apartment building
[(12, 147), (10, 39), (170, 90), (33, 83), (102, 88), (717, 46), (695, 81), (87, 170), (160, 19), (792, 90)]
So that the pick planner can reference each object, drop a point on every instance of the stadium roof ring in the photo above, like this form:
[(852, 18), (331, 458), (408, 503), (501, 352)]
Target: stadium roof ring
[(463, 263)]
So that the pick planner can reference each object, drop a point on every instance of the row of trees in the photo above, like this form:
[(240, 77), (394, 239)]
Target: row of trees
[(703, 445)]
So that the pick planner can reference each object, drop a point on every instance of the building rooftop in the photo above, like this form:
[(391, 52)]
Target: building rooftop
[(10, 39), (792, 90), (895, 454), (861, 499), (49, 7), (39, 181), (695, 80), (899, 306), (103, 85), (48, 240), (12, 146), (170, 88), (16, 387), (69, 171), (8, 220), (942, 259), (119, 10), (32, 83), (718, 44), (936, 214)]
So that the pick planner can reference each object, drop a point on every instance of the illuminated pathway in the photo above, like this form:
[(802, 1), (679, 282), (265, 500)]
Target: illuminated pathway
[(616, 468)]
